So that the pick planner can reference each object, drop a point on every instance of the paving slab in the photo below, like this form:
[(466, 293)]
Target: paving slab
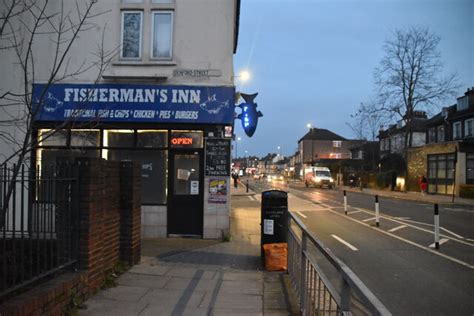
[(123, 293), (179, 276)]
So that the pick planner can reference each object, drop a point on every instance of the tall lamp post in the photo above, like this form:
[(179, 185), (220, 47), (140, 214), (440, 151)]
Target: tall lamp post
[(310, 126), (237, 139)]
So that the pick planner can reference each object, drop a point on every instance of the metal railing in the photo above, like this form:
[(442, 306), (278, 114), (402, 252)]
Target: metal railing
[(324, 284), (38, 225)]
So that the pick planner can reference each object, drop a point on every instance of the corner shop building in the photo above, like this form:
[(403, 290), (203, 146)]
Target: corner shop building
[(179, 134)]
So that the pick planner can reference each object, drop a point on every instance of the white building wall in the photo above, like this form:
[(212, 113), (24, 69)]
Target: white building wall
[(203, 39)]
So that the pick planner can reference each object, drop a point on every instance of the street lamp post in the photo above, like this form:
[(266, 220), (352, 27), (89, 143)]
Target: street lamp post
[(237, 139)]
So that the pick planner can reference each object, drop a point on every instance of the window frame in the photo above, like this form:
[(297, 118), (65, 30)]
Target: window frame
[(152, 38), (466, 127), (140, 47), (457, 135)]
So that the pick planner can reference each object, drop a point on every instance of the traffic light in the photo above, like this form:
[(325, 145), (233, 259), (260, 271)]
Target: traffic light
[(249, 115)]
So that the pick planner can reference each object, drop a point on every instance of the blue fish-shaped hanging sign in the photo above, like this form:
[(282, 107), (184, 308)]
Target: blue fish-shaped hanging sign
[(249, 115)]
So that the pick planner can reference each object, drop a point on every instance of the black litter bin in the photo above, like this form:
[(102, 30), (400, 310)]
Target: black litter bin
[(274, 218)]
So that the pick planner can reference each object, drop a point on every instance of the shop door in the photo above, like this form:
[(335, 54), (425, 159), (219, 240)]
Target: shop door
[(185, 199)]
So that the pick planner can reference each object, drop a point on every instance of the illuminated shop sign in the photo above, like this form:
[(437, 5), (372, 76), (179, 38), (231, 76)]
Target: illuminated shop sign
[(182, 141), (133, 103)]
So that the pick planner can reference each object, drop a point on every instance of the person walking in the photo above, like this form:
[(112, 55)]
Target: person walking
[(235, 176), (423, 183)]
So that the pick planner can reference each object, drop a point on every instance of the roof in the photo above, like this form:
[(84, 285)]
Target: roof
[(321, 134), (236, 24), (418, 125), (361, 144)]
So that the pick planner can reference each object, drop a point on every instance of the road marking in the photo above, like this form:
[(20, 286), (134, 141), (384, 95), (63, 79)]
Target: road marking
[(441, 241), (301, 214), (397, 228), (251, 197), (457, 210), (450, 232), (435, 252), (402, 218), (353, 212), (368, 219), (342, 241)]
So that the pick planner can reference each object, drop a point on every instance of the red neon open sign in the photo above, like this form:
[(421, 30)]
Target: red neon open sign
[(182, 141)]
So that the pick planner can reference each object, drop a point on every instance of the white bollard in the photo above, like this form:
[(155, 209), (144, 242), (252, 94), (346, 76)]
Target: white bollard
[(436, 226), (345, 202), (377, 213)]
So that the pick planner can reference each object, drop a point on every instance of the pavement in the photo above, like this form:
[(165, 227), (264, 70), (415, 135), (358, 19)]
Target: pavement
[(178, 276)]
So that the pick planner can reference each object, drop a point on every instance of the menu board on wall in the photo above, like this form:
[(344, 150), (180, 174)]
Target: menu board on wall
[(217, 157)]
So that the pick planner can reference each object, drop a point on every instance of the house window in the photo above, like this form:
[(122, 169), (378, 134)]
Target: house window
[(131, 34), (432, 135), (441, 133), (469, 168), (469, 128), (337, 144), (462, 104), (457, 130), (162, 34)]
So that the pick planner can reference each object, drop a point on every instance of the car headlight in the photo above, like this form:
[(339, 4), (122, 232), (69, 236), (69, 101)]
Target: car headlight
[(331, 180)]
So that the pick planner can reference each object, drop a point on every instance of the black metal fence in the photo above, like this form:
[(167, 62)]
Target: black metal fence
[(38, 224)]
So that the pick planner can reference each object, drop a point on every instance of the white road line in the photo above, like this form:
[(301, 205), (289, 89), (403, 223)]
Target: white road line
[(342, 241), (450, 232), (353, 212), (301, 214), (441, 241), (435, 252), (403, 218), (397, 228), (368, 219), (251, 197)]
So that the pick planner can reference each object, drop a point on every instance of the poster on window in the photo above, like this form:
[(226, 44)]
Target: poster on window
[(217, 191)]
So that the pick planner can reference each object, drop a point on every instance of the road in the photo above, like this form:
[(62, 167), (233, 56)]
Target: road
[(396, 260)]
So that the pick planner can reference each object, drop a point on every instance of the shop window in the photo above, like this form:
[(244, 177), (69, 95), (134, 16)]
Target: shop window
[(119, 138), (47, 161), (152, 138), (441, 173), (85, 138), (186, 139), (153, 169), (132, 1), (162, 1), (131, 44), (457, 131), (48, 137), (337, 144), (162, 35), (469, 128)]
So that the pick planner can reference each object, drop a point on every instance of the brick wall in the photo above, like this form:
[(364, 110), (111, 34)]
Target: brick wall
[(109, 224)]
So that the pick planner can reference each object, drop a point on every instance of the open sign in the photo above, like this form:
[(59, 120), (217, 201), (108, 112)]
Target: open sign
[(182, 141)]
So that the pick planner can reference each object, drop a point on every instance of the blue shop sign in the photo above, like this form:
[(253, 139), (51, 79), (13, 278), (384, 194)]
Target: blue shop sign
[(134, 103)]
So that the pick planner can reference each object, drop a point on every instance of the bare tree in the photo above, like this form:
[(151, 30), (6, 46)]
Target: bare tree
[(367, 120), (23, 25), (409, 77)]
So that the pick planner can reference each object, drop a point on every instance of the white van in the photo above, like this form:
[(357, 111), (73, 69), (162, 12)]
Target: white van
[(319, 177)]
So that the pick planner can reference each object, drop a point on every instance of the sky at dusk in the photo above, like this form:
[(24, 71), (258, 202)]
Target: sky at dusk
[(313, 61)]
